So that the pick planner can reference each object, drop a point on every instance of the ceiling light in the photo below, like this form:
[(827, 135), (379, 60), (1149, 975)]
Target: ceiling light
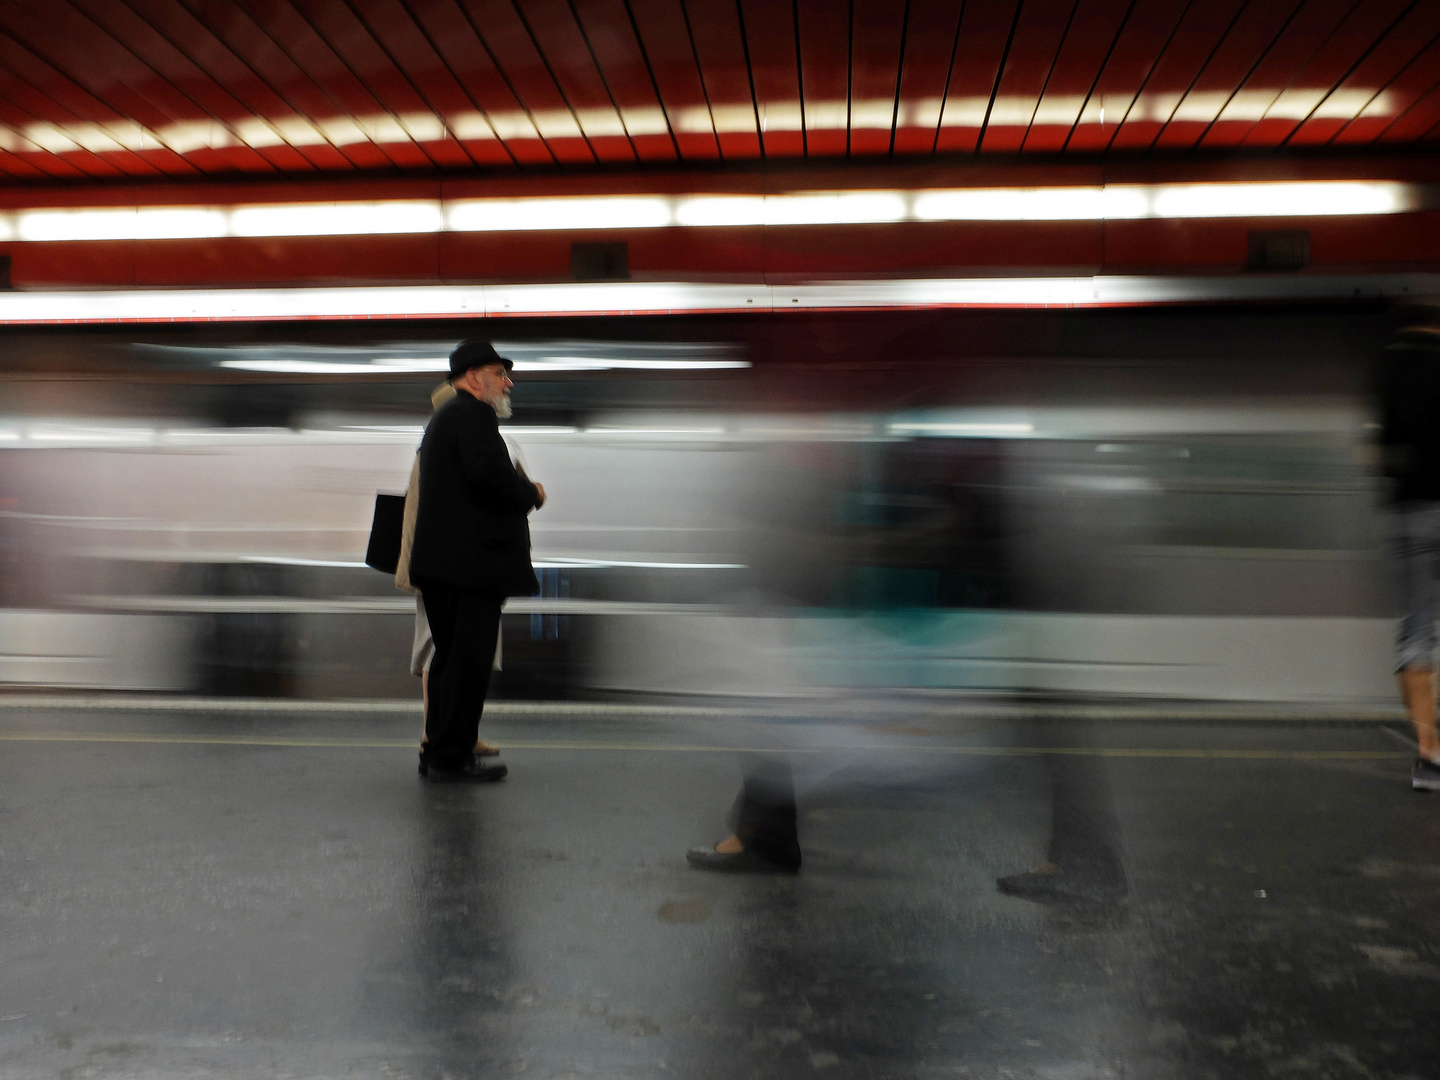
[(596, 212), (337, 219)]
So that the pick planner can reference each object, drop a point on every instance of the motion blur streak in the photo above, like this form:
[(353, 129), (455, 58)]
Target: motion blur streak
[(1118, 502)]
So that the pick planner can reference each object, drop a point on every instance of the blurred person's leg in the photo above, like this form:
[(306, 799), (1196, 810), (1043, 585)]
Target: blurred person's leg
[(764, 819), (1417, 546), (464, 625), (1084, 859)]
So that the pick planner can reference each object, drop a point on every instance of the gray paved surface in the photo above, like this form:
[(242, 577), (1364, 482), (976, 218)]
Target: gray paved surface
[(210, 895)]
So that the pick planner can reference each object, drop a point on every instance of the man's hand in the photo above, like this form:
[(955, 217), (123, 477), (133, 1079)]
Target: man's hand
[(539, 494)]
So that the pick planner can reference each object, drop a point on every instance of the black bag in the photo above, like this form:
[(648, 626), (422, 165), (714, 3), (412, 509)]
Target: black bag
[(384, 551)]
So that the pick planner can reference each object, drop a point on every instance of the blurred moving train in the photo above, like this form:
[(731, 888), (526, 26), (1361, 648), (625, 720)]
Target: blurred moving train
[(1173, 503)]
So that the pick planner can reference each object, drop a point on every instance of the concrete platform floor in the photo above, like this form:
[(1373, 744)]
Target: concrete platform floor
[(195, 895)]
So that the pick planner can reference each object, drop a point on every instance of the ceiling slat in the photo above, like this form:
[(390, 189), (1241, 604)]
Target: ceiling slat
[(878, 36), (611, 36), (312, 104), (1094, 32), (715, 30), (568, 54), (360, 77), (1307, 33), (1242, 49), (499, 113), (670, 56), (985, 34), (263, 106), (144, 39), (1360, 89), (769, 29), (55, 105), (1148, 30), (515, 53), (930, 35), (825, 75), (1195, 41), (1362, 27), (445, 119), (1042, 29), (1418, 78)]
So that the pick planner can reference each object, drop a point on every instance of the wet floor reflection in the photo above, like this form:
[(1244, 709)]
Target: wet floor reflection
[(445, 993)]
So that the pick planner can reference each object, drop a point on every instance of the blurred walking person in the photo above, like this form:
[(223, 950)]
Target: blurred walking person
[(471, 550), (1410, 445)]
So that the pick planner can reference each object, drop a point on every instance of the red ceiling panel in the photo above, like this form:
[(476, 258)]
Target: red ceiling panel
[(1416, 122), (611, 36), (326, 39), (442, 99), (309, 100), (215, 60), (825, 75), (1366, 23), (1147, 31), (1042, 28), (1361, 89), (985, 33), (1194, 42), (567, 54), (466, 57), (26, 49), (1313, 25), (1094, 32), (1251, 36), (769, 30), (102, 89), (14, 167), (930, 37), (142, 37), (27, 112), (878, 36), (86, 50), (62, 104), (515, 52), (1396, 99), (670, 55), (715, 30)]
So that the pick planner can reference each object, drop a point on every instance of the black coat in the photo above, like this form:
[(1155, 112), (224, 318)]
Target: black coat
[(471, 530), (1410, 415)]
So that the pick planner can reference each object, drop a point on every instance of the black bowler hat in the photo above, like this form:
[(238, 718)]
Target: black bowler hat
[(475, 353)]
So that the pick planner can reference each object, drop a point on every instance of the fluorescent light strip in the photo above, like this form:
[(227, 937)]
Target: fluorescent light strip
[(655, 298), (1301, 198), (542, 364)]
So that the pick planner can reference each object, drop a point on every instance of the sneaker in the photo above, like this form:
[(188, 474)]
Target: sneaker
[(1425, 776)]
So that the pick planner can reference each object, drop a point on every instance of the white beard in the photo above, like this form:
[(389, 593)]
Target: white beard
[(502, 407)]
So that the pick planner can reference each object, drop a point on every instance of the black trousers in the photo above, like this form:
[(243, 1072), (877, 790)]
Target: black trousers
[(763, 816), (465, 625)]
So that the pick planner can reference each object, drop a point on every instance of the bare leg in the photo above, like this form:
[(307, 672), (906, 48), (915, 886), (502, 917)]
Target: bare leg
[(1417, 691)]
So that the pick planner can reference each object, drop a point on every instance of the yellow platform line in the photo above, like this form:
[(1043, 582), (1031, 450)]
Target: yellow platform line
[(681, 748)]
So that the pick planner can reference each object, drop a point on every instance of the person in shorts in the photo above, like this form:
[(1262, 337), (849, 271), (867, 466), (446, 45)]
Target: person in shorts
[(1410, 451)]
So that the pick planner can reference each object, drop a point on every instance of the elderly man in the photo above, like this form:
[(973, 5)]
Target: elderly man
[(471, 551)]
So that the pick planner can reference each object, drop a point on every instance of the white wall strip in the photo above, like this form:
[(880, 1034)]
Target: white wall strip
[(1277, 199), (660, 298)]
